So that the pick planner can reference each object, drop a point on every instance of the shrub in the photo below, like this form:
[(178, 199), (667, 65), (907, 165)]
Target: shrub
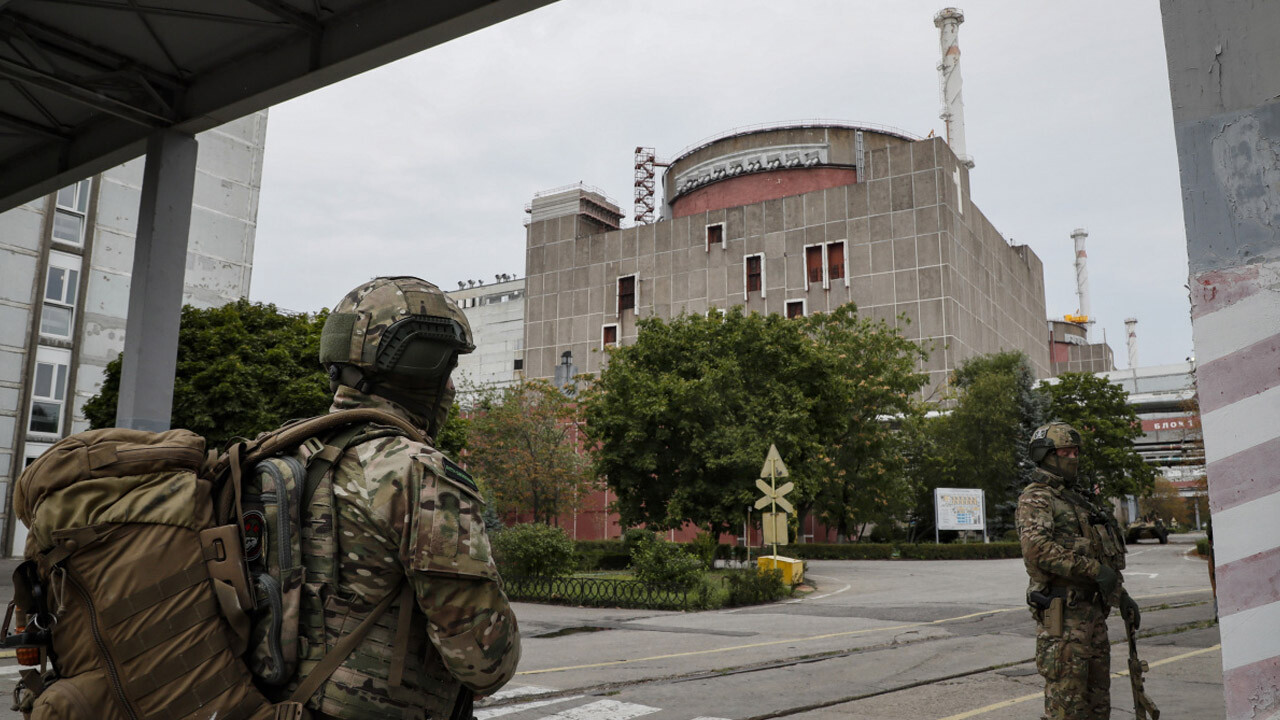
[(634, 536), (1202, 547), (833, 551), (658, 562), (752, 586), (961, 551), (602, 555), (705, 547), (534, 549)]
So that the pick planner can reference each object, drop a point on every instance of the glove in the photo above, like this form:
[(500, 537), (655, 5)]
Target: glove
[(1129, 611), (1107, 580)]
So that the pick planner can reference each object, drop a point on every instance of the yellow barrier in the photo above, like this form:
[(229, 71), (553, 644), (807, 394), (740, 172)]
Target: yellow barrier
[(792, 569)]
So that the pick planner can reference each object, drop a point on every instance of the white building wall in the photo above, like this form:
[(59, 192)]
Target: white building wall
[(496, 315), (219, 270)]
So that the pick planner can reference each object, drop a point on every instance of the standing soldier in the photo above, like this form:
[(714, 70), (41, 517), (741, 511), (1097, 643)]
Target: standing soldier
[(1074, 553), (404, 512)]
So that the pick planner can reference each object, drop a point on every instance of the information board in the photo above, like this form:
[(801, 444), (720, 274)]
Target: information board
[(959, 509)]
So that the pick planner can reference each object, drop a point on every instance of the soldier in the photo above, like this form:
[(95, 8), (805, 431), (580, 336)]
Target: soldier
[(1074, 553), (405, 512)]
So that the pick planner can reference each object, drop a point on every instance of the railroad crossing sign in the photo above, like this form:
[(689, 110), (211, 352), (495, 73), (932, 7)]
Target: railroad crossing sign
[(775, 523)]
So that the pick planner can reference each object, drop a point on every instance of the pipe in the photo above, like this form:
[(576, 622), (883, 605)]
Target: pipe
[(948, 23), (1082, 281), (1131, 338)]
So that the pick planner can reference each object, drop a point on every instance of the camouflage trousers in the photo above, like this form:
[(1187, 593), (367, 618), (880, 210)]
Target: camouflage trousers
[(1077, 666)]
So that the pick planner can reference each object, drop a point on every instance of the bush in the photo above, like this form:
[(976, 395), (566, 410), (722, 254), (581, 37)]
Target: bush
[(602, 555), (961, 551), (1202, 547), (751, 587), (658, 562), (534, 550), (842, 551), (634, 536), (705, 547)]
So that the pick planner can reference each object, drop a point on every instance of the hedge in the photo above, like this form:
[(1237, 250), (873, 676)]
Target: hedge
[(602, 555), (841, 551), (909, 551)]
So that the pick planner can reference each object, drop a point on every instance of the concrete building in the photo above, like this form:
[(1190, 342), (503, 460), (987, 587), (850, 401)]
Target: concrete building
[(65, 263), (496, 314), (1071, 351), (795, 219)]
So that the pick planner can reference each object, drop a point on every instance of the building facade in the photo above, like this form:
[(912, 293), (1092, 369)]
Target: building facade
[(65, 262), (1071, 351), (794, 219), (496, 315)]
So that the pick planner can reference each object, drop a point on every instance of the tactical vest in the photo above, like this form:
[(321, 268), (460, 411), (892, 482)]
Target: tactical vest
[(1080, 526)]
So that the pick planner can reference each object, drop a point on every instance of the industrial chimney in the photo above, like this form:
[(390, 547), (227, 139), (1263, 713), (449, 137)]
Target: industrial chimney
[(948, 23), (1131, 336), (1082, 280)]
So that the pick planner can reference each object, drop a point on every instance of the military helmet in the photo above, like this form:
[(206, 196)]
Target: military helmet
[(1048, 438), (399, 337)]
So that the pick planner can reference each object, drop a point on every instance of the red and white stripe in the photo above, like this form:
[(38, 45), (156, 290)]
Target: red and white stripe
[(1236, 321)]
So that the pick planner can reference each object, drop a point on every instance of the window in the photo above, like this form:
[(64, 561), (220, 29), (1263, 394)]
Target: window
[(813, 269), (49, 392), (754, 275), (519, 364), (626, 293), (715, 235), (61, 282), (795, 308), (31, 451), (70, 208), (835, 260), (608, 335)]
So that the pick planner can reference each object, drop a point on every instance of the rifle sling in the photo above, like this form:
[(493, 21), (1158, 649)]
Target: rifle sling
[(342, 650)]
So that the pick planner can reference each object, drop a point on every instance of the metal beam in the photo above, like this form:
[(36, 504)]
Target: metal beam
[(84, 96), (29, 127), (287, 13), (172, 12)]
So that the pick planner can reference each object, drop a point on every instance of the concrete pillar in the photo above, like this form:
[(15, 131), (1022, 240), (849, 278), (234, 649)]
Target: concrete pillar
[(155, 290), (1224, 77)]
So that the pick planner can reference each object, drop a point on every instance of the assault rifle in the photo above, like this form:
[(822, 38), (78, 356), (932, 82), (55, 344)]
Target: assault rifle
[(1143, 706)]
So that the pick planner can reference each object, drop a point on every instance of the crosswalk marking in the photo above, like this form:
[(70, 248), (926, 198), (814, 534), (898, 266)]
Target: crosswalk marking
[(511, 691), (603, 710), (483, 714)]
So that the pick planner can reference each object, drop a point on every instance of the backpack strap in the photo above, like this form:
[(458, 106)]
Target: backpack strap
[(342, 649), (292, 435)]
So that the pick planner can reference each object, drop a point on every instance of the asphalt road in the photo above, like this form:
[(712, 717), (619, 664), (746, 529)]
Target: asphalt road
[(876, 640)]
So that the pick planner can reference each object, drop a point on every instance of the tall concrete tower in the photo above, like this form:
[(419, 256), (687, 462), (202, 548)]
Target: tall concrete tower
[(1131, 337), (948, 23), (1082, 281)]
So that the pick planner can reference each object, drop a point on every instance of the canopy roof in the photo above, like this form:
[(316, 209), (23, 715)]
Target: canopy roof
[(84, 82)]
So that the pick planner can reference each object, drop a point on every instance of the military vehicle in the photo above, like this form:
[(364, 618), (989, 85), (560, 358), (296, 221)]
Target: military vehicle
[(1147, 527)]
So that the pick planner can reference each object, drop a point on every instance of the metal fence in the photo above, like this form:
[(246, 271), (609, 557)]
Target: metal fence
[(595, 592)]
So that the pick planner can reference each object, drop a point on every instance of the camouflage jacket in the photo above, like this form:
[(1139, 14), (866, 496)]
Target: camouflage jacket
[(1065, 538), (403, 511)]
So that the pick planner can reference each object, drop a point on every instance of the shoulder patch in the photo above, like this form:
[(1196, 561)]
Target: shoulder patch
[(457, 474)]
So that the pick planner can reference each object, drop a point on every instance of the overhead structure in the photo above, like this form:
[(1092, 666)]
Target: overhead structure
[(948, 23), (645, 185), (1082, 281), (84, 83)]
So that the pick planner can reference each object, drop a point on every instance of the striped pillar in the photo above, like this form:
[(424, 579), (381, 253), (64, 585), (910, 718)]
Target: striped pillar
[(1224, 77)]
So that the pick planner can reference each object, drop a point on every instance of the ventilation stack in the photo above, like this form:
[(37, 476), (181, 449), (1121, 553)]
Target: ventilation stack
[(948, 23), (1131, 337), (1082, 281)]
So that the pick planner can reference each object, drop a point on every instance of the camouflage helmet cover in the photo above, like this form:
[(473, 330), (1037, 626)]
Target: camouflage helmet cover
[(377, 327), (1051, 437)]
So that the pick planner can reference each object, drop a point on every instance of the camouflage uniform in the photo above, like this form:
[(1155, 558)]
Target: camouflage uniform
[(403, 512), (1065, 539)]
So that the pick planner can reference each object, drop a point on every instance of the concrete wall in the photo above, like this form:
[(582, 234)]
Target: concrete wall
[(916, 246), (1224, 78)]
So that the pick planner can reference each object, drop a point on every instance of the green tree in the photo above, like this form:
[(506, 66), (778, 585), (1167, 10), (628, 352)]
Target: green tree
[(681, 420), (523, 445), (1108, 425), (982, 441), (244, 368)]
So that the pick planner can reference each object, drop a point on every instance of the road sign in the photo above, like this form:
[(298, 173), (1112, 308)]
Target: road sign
[(775, 523), (775, 529), (773, 466)]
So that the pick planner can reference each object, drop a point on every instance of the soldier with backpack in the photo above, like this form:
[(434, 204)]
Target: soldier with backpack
[(403, 516)]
